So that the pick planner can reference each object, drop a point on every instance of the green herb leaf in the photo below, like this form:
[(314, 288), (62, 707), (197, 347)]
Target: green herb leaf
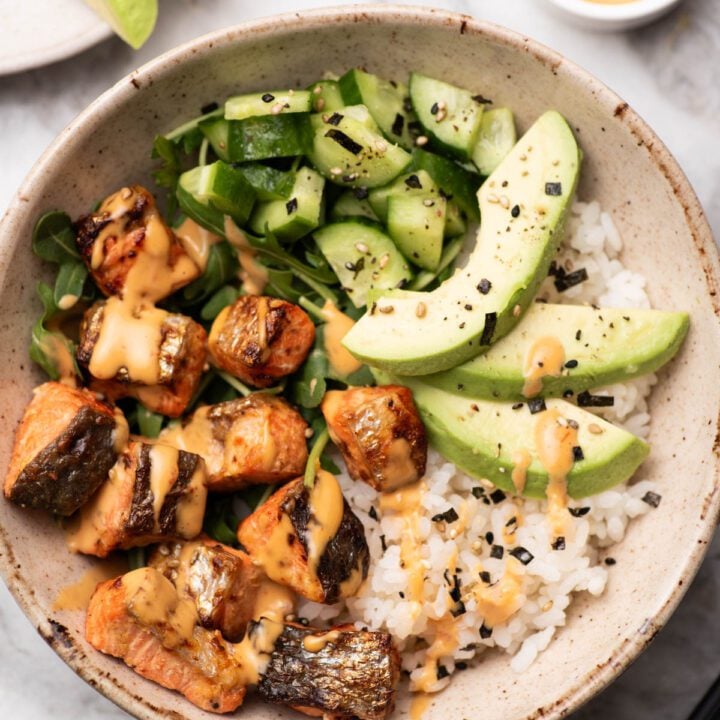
[(220, 521), (221, 267), (168, 174), (309, 388), (53, 238), (149, 423), (136, 558), (223, 297), (70, 281), (46, 347), (313, 461)]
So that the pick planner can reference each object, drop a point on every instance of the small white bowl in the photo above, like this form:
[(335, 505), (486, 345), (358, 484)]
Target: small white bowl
[(599, 16)]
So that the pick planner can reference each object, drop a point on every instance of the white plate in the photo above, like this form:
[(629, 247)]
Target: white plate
[(34, 33)]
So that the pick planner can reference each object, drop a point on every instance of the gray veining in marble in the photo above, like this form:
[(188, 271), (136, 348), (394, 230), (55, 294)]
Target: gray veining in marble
[(668, 72)]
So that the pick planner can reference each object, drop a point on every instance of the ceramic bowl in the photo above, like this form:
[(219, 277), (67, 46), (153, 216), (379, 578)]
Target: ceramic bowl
[(626, 167), (596, 15)]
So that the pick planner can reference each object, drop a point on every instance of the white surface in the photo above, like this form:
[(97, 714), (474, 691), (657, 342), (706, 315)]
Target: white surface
[(668, 72), (599, 16), (34, 33)]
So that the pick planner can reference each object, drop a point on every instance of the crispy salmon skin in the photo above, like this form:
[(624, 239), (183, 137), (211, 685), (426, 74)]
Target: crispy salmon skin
[(259, 439), (379, 433), (261, 339), (65, 445), (139, 618)]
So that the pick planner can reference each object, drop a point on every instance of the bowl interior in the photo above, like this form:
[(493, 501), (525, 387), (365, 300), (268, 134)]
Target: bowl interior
[(626, 168)]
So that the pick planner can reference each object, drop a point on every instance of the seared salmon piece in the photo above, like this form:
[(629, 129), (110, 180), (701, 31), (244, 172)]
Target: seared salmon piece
[(379, 433), (259, 439), (222, 582), (309, 540), (261, 339), (155, 492), (125, 230), (65, 445), (343, 672), (140, 618), (173, 365)]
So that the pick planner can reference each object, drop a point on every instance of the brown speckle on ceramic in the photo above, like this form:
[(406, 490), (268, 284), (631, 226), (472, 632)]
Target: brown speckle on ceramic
[(626, 167)]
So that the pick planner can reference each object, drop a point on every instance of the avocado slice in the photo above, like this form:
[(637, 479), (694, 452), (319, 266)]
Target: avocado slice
[(601, 346), (523, 206), (481, 436)]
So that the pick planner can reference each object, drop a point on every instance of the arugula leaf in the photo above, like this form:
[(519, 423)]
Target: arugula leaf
[(188, 131), (220, 521), (150, 423), (309, 388), (222, 265), (53, 238), (168, 174), (223, 297), (70, 281), (136, 558), (46, 347), (281, 284)]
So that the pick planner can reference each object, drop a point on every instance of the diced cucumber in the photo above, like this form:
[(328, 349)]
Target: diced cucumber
[(415, 183), (448, 114), (455, 223), (456, 182), (291, 219), (449, 253), (216, 130), (385, 100), (416, 224), (496, 139), (350, 205), (268, 182), (363, 257), (326, 96), (269, 136), (277, 102), (355, 112), (348, 153), (209, 192)]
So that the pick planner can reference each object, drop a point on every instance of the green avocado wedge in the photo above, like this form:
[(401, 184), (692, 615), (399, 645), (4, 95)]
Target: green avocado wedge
[(481, 436), (601, 346), (523, 205)]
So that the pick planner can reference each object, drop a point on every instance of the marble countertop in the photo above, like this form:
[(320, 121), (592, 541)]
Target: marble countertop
[(667, 72)]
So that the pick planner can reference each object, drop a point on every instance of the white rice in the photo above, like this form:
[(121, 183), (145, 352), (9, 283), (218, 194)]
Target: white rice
[(551, 578)]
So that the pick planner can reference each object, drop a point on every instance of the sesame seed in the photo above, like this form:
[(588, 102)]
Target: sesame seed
[(319, 104), (504, 202), (361, 247), (336, 171), (380, 146), (516, 311), (384, 260), (421, 310), (493, 198), (386, 309), (441, 115), (594, 429), (421, 140), (317, 89), (428, 202), (277, 108)]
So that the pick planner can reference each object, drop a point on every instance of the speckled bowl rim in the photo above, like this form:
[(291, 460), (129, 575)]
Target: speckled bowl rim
[(628, 648)]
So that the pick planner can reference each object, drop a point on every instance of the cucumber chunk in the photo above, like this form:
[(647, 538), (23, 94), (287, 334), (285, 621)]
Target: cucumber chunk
[(416, 223), (415, 183), (456, 182), (455, 223), (349, 153), (350, 205), (363, 257), (277, 102), (269, 136), (496, 139), (217, 130), (268, 182), (326, 96), (385, 101), (291, 219), (209, 192), (448, 115), (355, 112)]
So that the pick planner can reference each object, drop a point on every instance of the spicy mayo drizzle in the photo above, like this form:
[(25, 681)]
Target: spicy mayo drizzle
[(337, 326), (544, 358)]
